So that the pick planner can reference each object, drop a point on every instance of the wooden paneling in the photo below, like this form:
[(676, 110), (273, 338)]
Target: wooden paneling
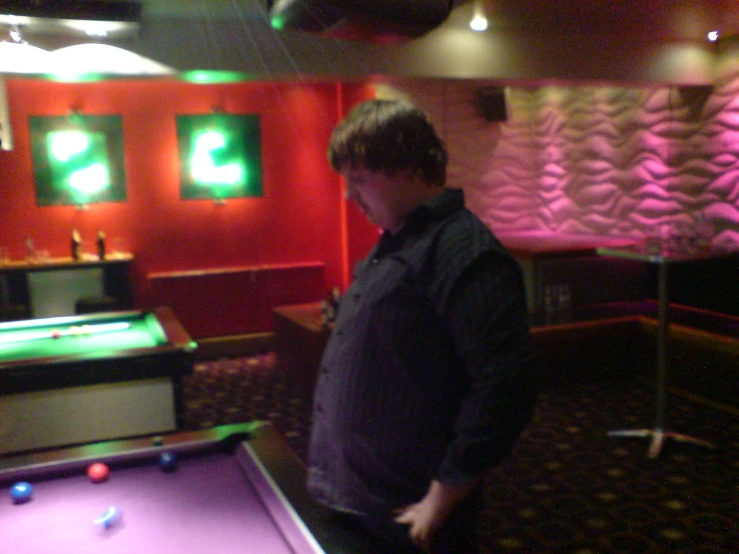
[(235, 300)]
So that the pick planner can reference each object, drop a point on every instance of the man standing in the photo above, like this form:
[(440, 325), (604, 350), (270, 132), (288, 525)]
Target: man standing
[(426, 382)]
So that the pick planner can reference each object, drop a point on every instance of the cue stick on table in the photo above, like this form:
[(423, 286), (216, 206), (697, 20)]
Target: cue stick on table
[(72, 331)]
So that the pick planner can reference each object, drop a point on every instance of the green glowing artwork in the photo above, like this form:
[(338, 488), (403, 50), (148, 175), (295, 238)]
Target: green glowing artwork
[(77, 160), (277, 23), (220, 156)]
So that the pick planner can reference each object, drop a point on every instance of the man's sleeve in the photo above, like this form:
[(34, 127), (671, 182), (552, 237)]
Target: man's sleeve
[(486, 311)]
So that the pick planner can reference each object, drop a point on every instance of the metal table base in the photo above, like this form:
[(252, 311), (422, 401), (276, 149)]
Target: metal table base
[(659, 433)]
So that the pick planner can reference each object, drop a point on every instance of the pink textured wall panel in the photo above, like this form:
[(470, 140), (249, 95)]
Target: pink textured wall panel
[(593, 159)]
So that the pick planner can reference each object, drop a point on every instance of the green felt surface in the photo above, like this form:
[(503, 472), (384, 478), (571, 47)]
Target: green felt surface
[(32, 339)]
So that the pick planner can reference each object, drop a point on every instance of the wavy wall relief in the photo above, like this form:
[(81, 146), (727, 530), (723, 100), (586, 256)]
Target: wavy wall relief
[(594, 160)]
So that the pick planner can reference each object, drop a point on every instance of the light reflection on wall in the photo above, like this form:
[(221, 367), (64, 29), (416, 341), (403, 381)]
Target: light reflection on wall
[(620, 161), (684, 63), (600, 160), (74, 62)]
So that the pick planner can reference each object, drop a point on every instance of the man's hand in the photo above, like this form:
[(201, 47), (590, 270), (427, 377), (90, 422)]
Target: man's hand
[(427, 516)]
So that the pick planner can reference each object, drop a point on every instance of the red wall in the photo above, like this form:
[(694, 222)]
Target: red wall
[(301, 217), (361, 235)]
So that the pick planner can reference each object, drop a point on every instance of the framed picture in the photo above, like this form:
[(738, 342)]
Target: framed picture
[(220, 156), (77, 159)]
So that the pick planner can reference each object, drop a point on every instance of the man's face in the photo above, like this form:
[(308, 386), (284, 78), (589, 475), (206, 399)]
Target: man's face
[(383, 199)]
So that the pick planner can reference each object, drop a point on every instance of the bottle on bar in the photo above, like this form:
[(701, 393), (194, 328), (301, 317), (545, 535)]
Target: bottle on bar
[(101, 244), (76, 244), (30, 250)]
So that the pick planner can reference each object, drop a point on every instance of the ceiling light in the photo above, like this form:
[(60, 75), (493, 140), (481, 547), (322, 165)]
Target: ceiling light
[(478, 22), (18, 57), (102, 59), (78, 62), (713, 36)]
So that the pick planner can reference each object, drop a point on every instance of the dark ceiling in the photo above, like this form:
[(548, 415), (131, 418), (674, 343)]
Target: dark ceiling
[(618, 40), (520, 15), (523, 15)]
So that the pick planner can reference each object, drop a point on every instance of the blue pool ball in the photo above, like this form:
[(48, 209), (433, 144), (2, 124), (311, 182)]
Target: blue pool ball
[(168, 461), (21, 492)]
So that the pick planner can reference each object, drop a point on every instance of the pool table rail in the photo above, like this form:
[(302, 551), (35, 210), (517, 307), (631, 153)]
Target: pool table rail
[(106, 364), (103, 366), (48, 464)]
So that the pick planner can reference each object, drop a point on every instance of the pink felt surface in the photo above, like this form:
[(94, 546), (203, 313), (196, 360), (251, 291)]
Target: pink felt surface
[(207, 505)]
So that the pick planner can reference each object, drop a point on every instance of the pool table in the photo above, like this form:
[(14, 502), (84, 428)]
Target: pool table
[(78, 379), (236, 489)]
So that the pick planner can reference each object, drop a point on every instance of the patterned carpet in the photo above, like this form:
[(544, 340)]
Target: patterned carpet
[(570, 488)]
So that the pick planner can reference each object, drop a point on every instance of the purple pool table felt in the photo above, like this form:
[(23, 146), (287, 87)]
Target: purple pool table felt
[(206, 505)]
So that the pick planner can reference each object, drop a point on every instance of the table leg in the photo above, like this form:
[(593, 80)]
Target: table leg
[(658, 433), (658, 441)]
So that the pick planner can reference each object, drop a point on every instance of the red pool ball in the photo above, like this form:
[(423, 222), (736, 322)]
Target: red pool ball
[(98, 472), (55, 333)]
